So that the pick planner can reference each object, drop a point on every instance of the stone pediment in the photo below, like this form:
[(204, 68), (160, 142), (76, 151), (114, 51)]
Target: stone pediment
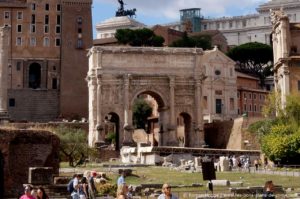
[(217, 56)]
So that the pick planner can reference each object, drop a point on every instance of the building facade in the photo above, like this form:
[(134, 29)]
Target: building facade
[(251, 98), (286, 45), (249, 28), (47, 54), (108, 28)]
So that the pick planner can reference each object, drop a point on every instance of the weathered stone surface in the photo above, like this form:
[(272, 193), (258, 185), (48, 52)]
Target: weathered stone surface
[(40, 175), (22, 149)]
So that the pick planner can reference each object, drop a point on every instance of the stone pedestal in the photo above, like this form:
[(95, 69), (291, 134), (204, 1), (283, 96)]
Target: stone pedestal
[(40, 175)]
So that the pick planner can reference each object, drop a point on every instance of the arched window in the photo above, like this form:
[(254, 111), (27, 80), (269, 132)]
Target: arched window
[(35, 76)]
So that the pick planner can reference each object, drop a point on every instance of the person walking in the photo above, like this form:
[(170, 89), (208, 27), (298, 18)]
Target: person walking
[(41, 194), (122, 191), (121, 179), (27, 193), (92, 188)]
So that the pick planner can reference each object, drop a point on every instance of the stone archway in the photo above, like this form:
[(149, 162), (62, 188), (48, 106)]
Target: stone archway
[(173, 77), (184, 130), (1, 175), (157, 121), (115, 120)]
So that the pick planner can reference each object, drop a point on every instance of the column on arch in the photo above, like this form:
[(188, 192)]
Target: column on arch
[(172, 140), (128, 128), (199, 139)]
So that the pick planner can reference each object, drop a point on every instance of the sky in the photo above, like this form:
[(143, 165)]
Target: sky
[(152, 12)]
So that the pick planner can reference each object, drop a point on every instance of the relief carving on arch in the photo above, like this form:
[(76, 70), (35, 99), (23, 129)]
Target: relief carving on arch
[(113, 94)]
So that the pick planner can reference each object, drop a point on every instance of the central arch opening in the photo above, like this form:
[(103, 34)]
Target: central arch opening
[(148, 123)]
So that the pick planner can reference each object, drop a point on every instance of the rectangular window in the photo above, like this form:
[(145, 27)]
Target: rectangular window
[(254, 107), (298, 85), (245, 96), (57, 42), (245, 107), (250, 96), (18, 66), (54, 83), (47, 6), (12, 102), (32, 28), (46, 19), (32, 41), (6, 14), (250, 107), (19, 15), (230, 24), (19, 28), (46, 42), (46, 29), (19, 41), (79, 30), (238, 95), (254, 96), (218, 25), (204, 102), (231, 104), (57, 29), (79, 43), (33, 7), (32, 19), (218, 106), (58, 19), (58, 8)]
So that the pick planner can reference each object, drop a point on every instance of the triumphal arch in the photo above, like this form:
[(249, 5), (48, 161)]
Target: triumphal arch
[(172, 76)]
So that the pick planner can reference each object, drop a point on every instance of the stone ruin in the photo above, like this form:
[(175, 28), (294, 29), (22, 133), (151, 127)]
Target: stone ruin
[(23, 156)]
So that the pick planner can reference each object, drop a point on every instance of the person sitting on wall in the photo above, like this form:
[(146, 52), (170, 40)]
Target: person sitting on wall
[(269, 190), (166, 193), (27, 193)]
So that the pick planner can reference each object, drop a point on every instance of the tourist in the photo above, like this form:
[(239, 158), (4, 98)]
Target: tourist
[(269, 190), (41, 194), (166, 193), (27, 193), (83, 188), (121, 179), (122, 191), (92, 188), (75, 192), (256, 164), (130, 192)]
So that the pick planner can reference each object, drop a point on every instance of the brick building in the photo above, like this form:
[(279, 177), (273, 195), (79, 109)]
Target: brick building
[(47, 57), (251, 98)]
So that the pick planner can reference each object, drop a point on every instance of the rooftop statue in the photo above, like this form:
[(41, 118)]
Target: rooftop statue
[(121, 12)]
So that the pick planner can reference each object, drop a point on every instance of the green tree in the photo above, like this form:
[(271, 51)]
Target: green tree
[(203, 42), (280, 136), (73, 145), (254, 58), (141, 111), (139, 37)]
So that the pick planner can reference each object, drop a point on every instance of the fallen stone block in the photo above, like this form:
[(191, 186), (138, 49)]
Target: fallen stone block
[(221, 183)]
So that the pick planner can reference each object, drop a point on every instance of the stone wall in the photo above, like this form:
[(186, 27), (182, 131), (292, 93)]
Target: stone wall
[(22, 149), (33, 105), (217, 134)]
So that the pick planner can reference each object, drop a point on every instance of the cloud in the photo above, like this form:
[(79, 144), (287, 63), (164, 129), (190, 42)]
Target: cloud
[(170, 8)]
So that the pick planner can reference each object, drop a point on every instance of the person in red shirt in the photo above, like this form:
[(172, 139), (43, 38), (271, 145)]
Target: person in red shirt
[(27, 193)]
